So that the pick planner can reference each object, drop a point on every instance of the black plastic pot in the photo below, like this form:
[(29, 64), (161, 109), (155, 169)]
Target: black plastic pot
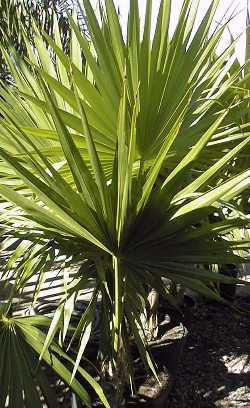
[(227, 291), (167, 354)]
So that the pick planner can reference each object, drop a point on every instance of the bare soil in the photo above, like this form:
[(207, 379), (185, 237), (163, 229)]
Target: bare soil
[(215, 366)]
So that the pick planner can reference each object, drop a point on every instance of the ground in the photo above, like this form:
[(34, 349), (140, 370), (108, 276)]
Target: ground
[(214, 370)]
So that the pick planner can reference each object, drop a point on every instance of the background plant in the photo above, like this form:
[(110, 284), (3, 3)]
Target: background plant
[(16, 24)]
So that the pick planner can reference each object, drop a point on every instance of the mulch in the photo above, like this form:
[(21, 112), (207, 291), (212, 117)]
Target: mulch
[(214, 370)]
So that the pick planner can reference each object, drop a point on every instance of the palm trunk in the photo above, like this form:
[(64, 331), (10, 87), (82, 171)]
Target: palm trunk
[(152, 323)]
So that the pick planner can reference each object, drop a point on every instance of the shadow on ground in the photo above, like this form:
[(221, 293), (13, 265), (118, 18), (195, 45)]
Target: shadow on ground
[(215, 368)]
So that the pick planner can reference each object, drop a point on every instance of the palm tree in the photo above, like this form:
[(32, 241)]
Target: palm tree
[(115, 157), (16, 24)]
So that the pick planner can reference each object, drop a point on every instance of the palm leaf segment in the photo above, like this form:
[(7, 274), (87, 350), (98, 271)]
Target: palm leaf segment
[(123, 155), (23, 381)]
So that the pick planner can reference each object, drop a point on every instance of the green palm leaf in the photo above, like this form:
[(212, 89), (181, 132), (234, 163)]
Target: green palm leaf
[(123, 157)]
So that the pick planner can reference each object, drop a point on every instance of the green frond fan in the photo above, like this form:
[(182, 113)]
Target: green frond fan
[(120, 154)]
